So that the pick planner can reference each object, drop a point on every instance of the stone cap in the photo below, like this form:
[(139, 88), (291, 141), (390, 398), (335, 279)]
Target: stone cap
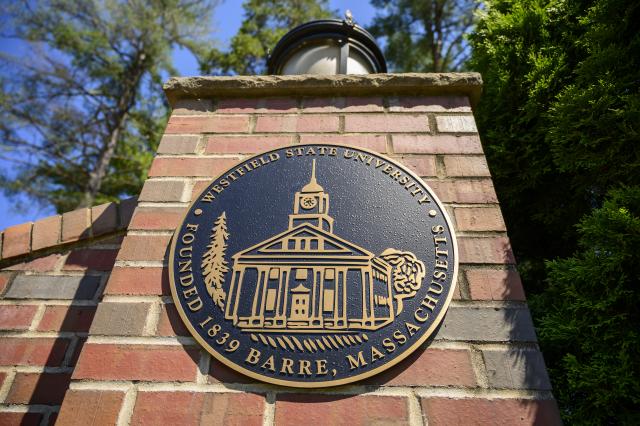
[(464, 83)]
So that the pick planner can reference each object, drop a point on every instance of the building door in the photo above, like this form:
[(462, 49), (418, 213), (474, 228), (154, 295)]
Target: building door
[(300, 307)]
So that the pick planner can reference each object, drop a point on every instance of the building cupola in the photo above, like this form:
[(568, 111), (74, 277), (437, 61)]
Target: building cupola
[(311, 205)]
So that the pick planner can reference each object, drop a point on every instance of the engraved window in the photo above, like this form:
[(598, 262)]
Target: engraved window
[(329, 274), (314, 244), (271, 299), (291, 244), (328, 300), (274, 273)]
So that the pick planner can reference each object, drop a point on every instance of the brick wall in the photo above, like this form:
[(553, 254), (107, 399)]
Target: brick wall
[(140, 366), (52, 274)]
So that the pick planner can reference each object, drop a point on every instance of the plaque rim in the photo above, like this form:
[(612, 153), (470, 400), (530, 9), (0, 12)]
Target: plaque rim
[(328, 383)]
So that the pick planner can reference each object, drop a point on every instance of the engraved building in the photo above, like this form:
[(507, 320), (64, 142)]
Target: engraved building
[(301, 278)]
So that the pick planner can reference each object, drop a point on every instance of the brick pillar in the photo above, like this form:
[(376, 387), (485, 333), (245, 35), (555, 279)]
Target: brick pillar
[(140, 365)]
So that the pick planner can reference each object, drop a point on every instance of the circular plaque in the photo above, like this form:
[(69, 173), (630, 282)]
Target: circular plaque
[(313, 265)]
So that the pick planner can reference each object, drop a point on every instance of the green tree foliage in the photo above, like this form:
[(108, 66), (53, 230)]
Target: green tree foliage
[(81, 109), (265, 22), (519, 49), (424, 36), (591, 322), (559, 114), (560, 120)]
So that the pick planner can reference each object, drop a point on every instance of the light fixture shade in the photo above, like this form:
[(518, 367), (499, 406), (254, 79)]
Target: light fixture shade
[(327, 46)]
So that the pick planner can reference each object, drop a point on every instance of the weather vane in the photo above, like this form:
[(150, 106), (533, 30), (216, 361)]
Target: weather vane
[(348, 16)]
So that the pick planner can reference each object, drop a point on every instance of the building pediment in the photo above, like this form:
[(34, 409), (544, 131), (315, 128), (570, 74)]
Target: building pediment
[(318, 243)]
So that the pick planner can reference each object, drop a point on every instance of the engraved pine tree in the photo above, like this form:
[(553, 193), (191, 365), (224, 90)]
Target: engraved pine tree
[(214, 266)]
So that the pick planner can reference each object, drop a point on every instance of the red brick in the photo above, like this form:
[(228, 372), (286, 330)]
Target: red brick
[(198, 188), (314, 409), (485, 250), (424, 165), (77, 351), (238, 105), (364, 104), (41, 264), (170, 323), (162, 190), (83, 407), (35, 388), (75, 225), (16, 317), (46, 232), (429, 104), (104, 218), (278, 105), (383, 123), (472, 191), (208, 124), (93, 259), (178, 144), (144, 247), (137, 362), (456, 123), (67, 318), (192, 106), (138, 281), (119, 319), (479, 219), (433, 367), (174, 408), (264, 105), (177, 167), (457, 295), (323, 104), (441, 144), (232, 409), (351, 104), (17, 240), (297, 123), (115, 240), (457, 165), (22, 419), (477, 411), (220, 373), (246, 144), (5, 277), (373, 142), (153, 408), (32, 351), (157, 218), (494, 284), (125, 211)]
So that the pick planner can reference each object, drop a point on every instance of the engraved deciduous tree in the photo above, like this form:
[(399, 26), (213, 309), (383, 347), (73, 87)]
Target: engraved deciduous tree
[(408, 273), (214, 266)]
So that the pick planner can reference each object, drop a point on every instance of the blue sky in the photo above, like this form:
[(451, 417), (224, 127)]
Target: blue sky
[(227, 20)]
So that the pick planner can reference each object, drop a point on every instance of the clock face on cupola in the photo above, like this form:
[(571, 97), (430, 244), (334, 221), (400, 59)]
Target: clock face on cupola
[(308, 202)]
